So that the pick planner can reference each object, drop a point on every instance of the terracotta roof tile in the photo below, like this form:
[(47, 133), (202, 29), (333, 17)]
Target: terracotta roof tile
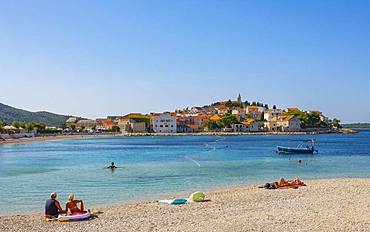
[(248, 121), (215, 118)]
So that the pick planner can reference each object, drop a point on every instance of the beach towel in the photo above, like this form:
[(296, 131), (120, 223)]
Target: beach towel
[(76, 216), (175, 201)]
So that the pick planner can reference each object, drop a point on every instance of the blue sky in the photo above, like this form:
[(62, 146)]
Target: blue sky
[(98, 58)]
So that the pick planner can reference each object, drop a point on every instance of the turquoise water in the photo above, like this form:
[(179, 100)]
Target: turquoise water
[(154, 167)]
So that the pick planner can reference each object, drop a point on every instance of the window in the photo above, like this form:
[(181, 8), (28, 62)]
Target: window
[(166, 125), (161, 126)]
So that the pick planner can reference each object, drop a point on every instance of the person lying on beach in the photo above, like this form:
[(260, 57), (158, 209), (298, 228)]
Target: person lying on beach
[(290, 183), (71, 205), (112, 166), (52, 207), (284, 184)]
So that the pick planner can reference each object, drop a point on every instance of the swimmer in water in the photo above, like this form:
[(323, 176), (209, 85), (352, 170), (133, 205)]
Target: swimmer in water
[(112, 166)]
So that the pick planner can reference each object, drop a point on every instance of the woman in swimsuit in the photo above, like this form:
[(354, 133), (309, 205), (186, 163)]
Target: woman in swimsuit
[(72, 204)]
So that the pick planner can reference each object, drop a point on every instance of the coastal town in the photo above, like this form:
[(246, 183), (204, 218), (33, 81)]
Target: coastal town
[(227, 117), (230, 117), (224, 116)]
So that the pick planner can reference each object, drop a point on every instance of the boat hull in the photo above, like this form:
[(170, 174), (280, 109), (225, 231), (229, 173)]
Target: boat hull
[(288, 150)]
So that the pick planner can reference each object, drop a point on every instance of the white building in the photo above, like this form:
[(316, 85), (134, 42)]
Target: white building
[(283, 123), (268, 114), (164, 123), (222, 110), (239, 113)]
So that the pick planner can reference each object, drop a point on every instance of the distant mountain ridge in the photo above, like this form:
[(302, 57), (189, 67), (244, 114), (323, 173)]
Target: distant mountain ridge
[(363, 125), (9, 114)]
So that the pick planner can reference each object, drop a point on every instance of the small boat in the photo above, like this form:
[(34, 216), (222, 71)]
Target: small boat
[(305, 147)]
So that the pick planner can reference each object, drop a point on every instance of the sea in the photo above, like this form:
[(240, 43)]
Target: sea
[(151, 168)]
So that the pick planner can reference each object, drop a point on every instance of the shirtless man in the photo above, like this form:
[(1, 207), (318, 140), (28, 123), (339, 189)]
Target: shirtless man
[(72, 204), (112, 166), (52, 207)]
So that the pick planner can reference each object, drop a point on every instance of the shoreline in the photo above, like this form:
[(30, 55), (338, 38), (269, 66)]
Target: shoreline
[(52, 137), (241, 133), (89, 135), (322, 205), (184, 193)]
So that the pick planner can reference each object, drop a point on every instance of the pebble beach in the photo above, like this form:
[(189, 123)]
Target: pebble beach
[(323, 205)]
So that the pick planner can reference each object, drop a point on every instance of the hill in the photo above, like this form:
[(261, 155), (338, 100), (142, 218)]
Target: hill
[(356, 125), (9, 114)]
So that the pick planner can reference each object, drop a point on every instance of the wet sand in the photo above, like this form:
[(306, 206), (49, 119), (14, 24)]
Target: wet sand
[(323, 205)]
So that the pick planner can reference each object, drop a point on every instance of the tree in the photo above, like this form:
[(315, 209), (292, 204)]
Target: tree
[(73, 126), (308, 120), (228, 119), (116, 129), (15, 124), (29, 126), (211, 125), (40, 127), (266, 106), (63, 126), (274, 107), (313, 119), (2, 124), (229, 103), (336, 123)]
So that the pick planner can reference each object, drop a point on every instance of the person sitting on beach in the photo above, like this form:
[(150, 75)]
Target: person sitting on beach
[(72, 205), (52, 207), (112, 166), (282, 183)]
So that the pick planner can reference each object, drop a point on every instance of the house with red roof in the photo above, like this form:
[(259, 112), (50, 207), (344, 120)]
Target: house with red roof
[(104, 123), (215, 118), (222, 110), (251, 125), (255, 112)]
